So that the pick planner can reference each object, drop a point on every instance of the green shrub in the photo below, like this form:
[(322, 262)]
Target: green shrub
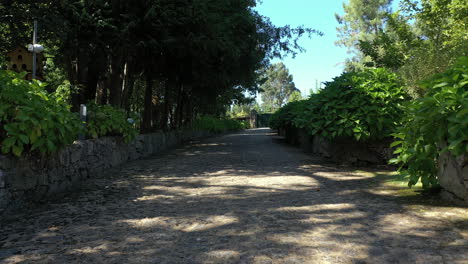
[(434, 124), (285, 115), (31, 119), (244, 124), (105, 120), (217, 125), (362, 105)]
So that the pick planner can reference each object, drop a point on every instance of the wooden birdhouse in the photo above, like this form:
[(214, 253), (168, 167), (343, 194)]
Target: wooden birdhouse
[(21, 60)]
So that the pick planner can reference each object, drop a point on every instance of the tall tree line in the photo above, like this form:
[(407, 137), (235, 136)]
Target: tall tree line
[(171, 60)]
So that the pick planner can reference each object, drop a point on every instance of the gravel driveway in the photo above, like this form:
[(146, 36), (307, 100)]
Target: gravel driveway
[(239, 198)]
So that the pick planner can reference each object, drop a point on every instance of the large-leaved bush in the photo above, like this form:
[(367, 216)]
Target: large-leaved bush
[(217, 125), (285, 116), (435, 123), (105, 120), (32, 119), (363, 105)]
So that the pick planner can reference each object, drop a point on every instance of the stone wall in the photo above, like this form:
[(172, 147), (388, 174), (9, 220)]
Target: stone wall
[(342, 151), (453, 171), (453, 177), (36, 177)]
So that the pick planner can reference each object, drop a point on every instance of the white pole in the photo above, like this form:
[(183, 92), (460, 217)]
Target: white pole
[(34, 53), (83, 115)]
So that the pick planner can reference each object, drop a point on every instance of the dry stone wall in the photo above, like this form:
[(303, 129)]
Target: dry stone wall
[(36, 177), (453, 177), (340, 151)]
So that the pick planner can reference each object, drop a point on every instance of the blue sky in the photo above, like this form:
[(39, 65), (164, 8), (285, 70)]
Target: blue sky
[(323, 60)]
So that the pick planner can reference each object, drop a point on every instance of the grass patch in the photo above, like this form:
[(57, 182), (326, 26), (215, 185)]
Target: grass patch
[(392, 179)]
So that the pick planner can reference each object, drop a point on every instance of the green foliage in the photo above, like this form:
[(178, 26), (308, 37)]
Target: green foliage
[(105, 120), (361, 21), (32, 119), (285, 116), (244, 124), (217, 125), (421, 39), (295, 96), (363, 105), (434, 124), (243, 109), (172, 60), (278, 87)]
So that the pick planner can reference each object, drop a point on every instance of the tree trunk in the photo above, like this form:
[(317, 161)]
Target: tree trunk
[(92, 81), (78, 96), (128, 84), (167, 91), (148, 105), (115, 89), (180, 105)]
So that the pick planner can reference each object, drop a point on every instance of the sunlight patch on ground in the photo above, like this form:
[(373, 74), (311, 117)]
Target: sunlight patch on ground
[(209, 144), (181, 224), (312, 208), (211, 222), (90, 250), (221, 256), (267, 182), (230, 186), (343, 176)]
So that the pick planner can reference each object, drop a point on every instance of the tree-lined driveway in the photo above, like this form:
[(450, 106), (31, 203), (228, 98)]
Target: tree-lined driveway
[(239, 198)]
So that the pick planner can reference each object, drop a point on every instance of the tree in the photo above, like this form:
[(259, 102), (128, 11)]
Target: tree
[(362, 21), (169, 60), (278, 87), (420, 39), (295, 96)]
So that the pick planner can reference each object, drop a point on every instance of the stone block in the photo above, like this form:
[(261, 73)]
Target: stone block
[(56, 175), (6, 162), (58, 187), (452, 174), (23, 178), (2, 179), (4, 199), (465, 175), (40, 192), (116, 158), (305, 141), (321, 147), (64, 157), (84, 173), (42, 178), (76, 152), (90, 147)]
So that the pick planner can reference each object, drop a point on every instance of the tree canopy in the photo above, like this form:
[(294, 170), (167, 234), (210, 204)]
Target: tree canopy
[(362, 21), (278, 87), (171, 60)]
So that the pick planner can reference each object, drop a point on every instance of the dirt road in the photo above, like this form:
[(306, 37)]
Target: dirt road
[(239, 198)]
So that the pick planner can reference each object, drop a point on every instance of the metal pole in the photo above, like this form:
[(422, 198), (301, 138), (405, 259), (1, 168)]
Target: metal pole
[(34, 53), (83, 115)]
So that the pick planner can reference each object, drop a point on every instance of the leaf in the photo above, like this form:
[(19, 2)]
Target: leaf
[(8, 142), (454, 144), (17, 150), (24, 139), (32, 136), (51, 146)]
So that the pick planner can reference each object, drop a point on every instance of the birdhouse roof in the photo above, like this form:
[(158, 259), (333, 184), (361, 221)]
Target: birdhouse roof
[(18, 48)]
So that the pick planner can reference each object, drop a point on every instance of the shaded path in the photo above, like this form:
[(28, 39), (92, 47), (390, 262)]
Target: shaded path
[(240, 198)]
